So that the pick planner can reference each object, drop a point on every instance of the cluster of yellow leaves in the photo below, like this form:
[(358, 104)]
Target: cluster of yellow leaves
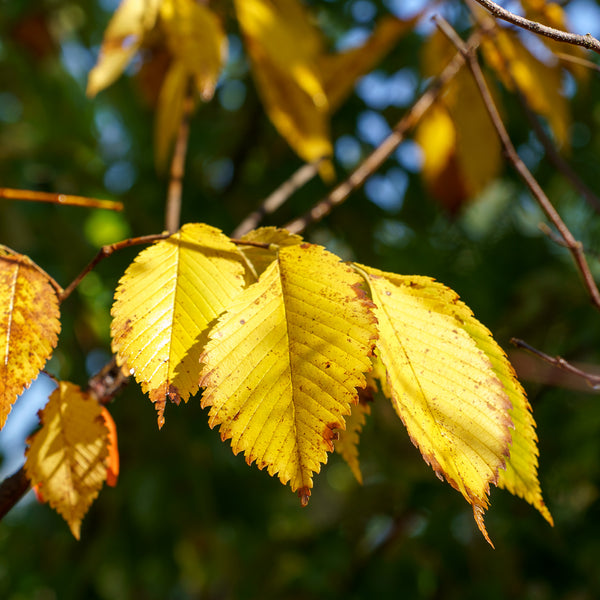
[(301, 84), (461, 150), (281, 337), (75, 450)]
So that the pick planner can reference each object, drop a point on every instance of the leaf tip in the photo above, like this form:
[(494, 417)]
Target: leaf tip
[(304, 495), (478, 511)]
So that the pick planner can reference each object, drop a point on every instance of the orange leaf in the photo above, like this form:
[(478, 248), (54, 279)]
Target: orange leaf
[(112, 463), (29, 325)]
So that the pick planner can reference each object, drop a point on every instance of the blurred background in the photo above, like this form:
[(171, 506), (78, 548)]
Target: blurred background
[(190, 520)]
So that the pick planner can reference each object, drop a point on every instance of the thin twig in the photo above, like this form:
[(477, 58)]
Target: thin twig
[(383, 151), (173, 208), (66, 199), (102, 386), (574, 246), (586, 41), (590, 378), (107, 251), (577, 60), (302, 176)]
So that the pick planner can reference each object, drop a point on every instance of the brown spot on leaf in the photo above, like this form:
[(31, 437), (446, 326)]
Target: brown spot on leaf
[(242, 322)]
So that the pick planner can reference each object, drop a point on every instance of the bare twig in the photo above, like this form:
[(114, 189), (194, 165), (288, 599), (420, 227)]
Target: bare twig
[(303, 175), (66, 199), (173, 208), (577, 60), (107, 251), (574, 246), (383, 151), (586, 41), (591, 379), (103, 386)]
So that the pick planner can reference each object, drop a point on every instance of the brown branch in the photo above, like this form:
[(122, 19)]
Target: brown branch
[(591, 379), (303, 175), (383, 151), (107, 251), (103, 387), (173, 208), (66, 199), (577, 60), (586, 41), (574, 246)]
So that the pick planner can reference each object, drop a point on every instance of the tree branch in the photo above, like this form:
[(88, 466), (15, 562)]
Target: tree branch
[(574, 246), (66, 199), (586, 41), (591, 379), (303, 175), (383, 151), (173, 208)]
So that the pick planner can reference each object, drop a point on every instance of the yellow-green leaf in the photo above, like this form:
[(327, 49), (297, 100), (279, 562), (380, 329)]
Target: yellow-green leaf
[(347, 443), (164, 305), (29, 325), (66, 458), (196, 38), (122, 39), (443, 385), (284, 362)]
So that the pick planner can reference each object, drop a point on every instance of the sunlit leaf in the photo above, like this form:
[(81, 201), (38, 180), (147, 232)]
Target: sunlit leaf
[(29, 325), (66, 458), (443, 385), (197, 40), (284, 362), (347, 443), (112, 462), (122, 39), (165, 302)]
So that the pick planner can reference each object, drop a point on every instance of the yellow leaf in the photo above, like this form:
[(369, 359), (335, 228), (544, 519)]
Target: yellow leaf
[(340, 71), (164, 305), (169, 111), (196, 38), (347, 443), (284, 362), (260, 258), (462, 151), (288, 38), (122, 39), (540, 83), (66, 458), (29, 325), (443, 385)]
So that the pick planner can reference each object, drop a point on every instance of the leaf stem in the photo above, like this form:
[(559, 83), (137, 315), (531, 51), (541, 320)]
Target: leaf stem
[(107, 251)]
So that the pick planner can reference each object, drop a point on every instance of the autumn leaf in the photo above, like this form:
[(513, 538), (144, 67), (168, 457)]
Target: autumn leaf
[(347, 443), (66, 458), (164, 304), (112, 462), (539, 82), (443, 386), (300, 83), (125, 33), (283, 363), (461, 150), (29, 325)]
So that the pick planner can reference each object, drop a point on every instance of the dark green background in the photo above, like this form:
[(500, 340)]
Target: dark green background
[(190, 520)]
